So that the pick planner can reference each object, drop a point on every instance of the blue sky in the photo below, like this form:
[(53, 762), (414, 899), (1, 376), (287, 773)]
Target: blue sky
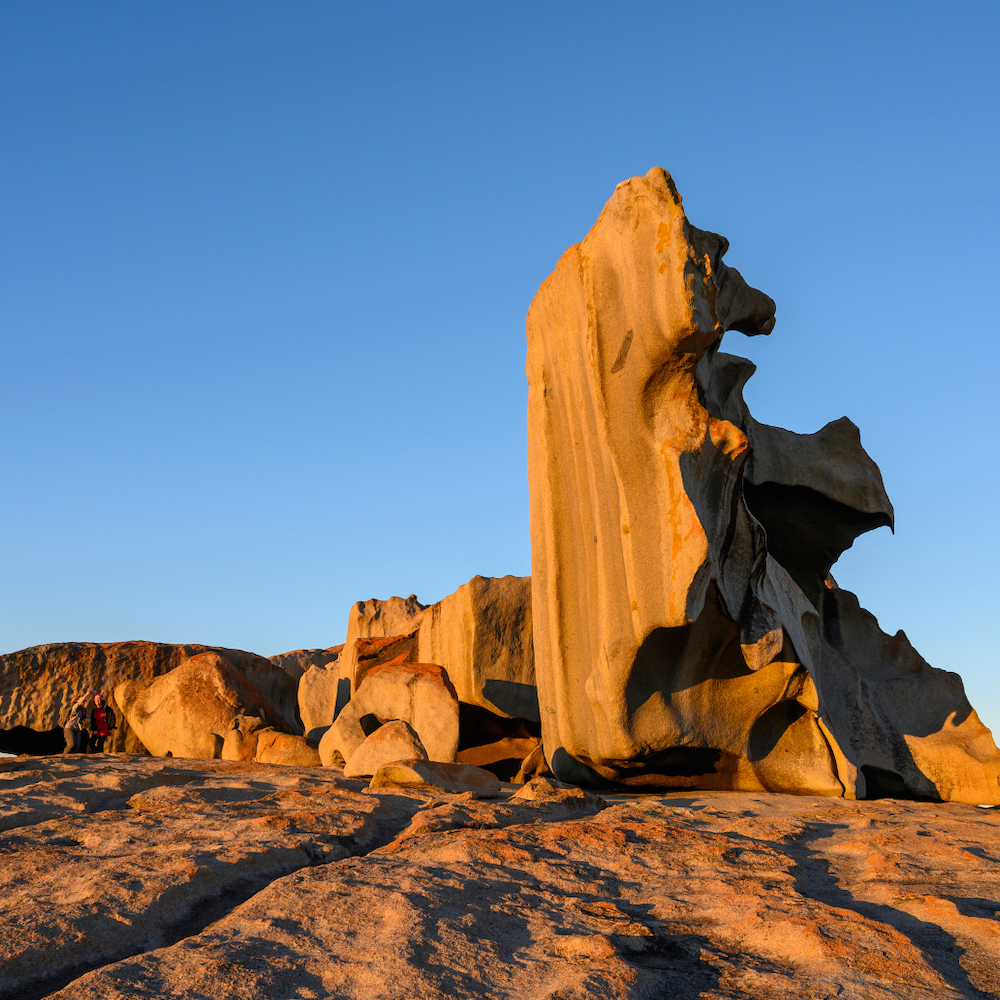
[(264, 269)]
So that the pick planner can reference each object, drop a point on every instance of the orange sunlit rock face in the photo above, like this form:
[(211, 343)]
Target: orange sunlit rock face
[(686, 630)]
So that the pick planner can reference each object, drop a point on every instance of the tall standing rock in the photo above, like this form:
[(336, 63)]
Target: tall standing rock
[(686, 629)]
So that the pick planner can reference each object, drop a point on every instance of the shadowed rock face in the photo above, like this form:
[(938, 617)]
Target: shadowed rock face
[(686, 629)]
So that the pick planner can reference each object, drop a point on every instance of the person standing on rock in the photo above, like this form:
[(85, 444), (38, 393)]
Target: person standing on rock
[(102, 723), (75, 726)]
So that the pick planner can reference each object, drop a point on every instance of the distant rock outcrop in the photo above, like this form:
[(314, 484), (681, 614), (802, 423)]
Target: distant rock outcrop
[(686, 630), (297, 661), (38, 685)]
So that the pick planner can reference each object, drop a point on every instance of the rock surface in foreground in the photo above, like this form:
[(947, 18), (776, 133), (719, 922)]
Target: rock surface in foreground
[(137, 877)]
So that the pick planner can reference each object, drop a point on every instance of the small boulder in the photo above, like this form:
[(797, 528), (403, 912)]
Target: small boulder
[(392, 742), (418, 693), (552, 791), (534, 765), (240, 743), (454, 778), (284, 748)]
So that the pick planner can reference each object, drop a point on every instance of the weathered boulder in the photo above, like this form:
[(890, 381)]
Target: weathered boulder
[(394, 741), (419, 694), (481, 634), (396, 618), (453, 778), (320, 688), (543, 789), (686, 630), (286, 748), (377, 619), (38, 685), (532, 766), (189, 711)]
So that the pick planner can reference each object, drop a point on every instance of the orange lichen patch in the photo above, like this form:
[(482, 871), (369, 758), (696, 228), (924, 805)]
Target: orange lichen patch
[(664, 237), (728, 438), (368, 648), (371, 653), (432, 670)]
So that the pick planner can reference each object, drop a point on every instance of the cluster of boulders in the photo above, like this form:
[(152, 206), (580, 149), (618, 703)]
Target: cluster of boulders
[(39, 686), (446, 692)]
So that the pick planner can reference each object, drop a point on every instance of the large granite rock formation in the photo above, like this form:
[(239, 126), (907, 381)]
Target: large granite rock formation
[(38, 685), (481, 634), (686, 629), (419, 694)]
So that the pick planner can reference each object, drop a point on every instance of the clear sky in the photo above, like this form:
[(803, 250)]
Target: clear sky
[(264, 269)]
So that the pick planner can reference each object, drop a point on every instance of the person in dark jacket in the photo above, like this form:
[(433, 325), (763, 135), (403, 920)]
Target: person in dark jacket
[(75, 726), (102, 723)]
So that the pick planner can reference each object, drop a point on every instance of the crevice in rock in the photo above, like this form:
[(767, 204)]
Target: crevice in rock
[(38, 743)]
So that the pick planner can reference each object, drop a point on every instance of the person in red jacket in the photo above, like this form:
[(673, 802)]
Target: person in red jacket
[(102, 723)]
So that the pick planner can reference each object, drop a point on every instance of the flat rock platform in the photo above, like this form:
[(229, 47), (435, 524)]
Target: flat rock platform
[(128, 876)]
